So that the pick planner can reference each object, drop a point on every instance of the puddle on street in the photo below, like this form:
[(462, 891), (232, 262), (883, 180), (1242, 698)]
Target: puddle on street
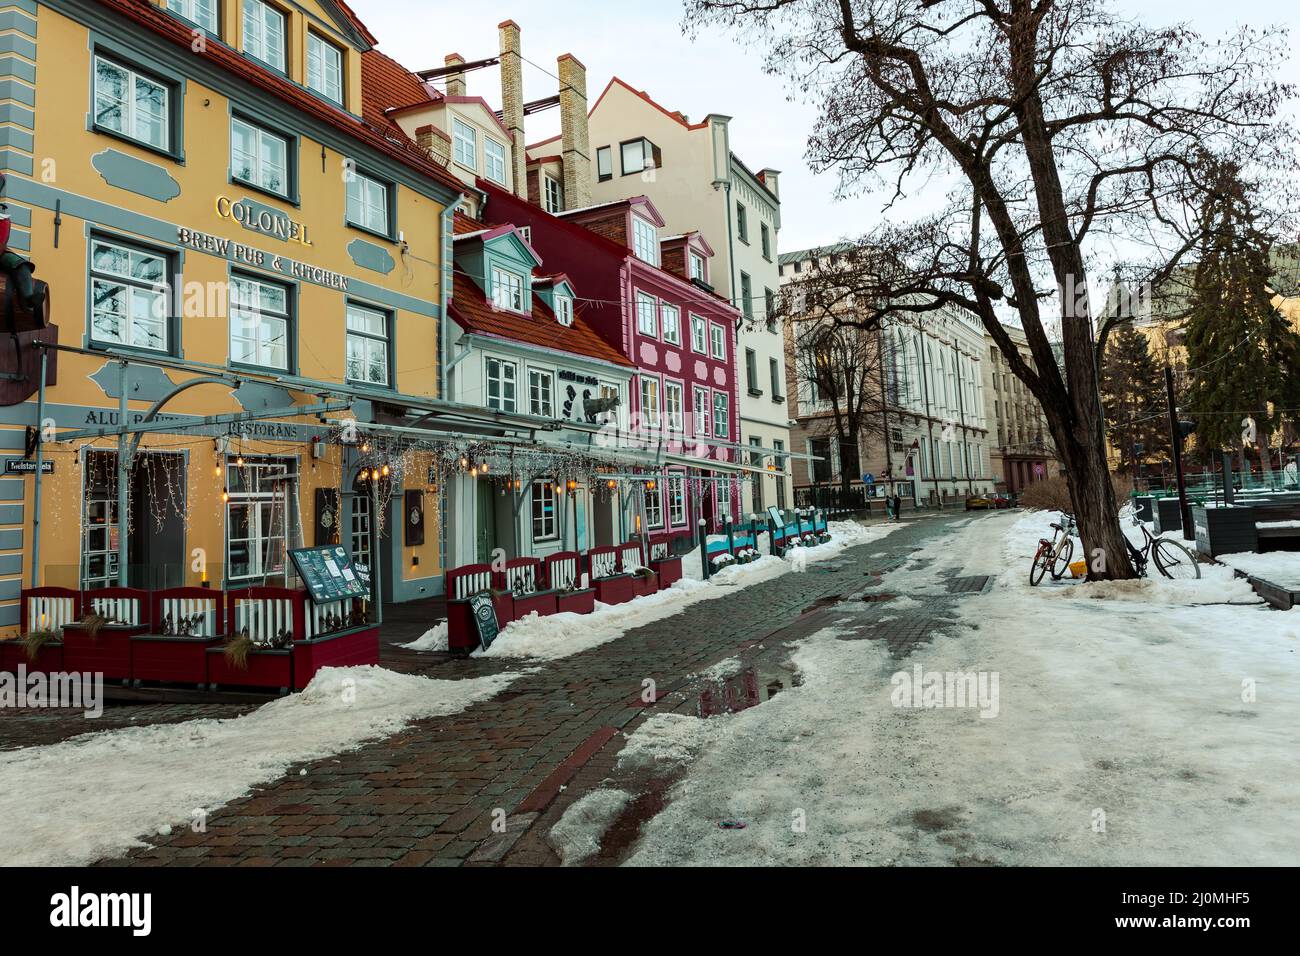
[(748, 688)]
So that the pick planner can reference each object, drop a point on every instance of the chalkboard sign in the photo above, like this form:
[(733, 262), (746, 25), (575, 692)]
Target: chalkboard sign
[(776, 518), (328, 574), (485, 618)]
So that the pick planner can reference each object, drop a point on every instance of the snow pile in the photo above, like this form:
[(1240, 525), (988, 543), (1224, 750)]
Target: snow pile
[(434, 639), (553, 636), (138, 781), (1277, 567), (576, 835), (716, 673), (670, 740)]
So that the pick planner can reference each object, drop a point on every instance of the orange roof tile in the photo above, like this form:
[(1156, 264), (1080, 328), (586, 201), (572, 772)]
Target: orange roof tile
[(472, 310)]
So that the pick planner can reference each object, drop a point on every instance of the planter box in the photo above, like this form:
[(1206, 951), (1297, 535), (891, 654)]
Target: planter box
[(49, 658), (1166, 515), (171, 660), (576, 602), (669, 570), (614, 590), (462, 634), (1224, 530), (266, 668), (107, 653), (355, 647), (643, 584), (543, 603)]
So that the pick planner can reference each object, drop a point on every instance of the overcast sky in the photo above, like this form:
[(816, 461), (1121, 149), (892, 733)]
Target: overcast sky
[(641, 42)]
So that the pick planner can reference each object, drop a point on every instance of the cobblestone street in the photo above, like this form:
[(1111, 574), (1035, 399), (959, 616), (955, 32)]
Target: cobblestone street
[(427, 796)]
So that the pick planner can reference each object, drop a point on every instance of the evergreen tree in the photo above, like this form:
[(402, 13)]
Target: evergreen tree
[(1243, 355), (1133, 392)]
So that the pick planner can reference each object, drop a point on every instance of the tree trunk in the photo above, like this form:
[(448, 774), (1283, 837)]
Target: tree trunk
[(1095, 510)]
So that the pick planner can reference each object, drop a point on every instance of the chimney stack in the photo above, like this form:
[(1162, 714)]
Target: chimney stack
[(575, 143), (455, 81), (512, 101)]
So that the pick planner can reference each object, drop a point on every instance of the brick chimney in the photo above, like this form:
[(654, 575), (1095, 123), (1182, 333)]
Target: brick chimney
[(455, 81), (575, 144), (512, 101), (434, 142)]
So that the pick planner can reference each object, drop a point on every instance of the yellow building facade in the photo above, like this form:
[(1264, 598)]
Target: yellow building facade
[(243, 264)]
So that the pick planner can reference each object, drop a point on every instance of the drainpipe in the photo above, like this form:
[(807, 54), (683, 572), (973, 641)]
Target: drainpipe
[(40, 460), (929, 422), (123, 467), (444, 370), (961, 414)]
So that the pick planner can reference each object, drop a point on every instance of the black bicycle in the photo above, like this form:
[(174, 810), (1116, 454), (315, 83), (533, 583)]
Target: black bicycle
[(1171, 559)]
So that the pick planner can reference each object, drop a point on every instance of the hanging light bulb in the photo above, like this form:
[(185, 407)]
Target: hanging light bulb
[(225, 495), (483, 468), (464, 462), (572, 484), (611, 483), (365, 447), (239, 462), (649, 486), (385, 471), (473, 471)]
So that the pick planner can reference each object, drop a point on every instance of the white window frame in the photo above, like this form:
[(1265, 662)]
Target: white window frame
[(261, 169), (199, 12), (717, 341), (676, 500), (645, 240), (464, 144), (651, 399), (252, 290), (541, 393), (647, 314), (674, 410), (563, 309), (670, 321), (605, 159), (259, 502), (360, 321), (502, 378), (702, 407), (128, 107), (255, 41), (103, 280), (367, 203), (697, 269), (654, 506), (321, 56), (552, 194), (699, 335), (508, 290), (721, 422), (494, 163), (545, 526)]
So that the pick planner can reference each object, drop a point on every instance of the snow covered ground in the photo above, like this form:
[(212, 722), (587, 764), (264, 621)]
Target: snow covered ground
[(1135, 724), (558, 635), (1278, 567), (147, 780)]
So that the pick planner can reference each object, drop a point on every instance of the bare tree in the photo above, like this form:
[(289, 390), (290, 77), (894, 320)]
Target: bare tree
[(841, 363), (1058, 129)]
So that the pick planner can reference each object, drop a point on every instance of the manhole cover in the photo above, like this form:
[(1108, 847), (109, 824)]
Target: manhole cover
[(967, 585)]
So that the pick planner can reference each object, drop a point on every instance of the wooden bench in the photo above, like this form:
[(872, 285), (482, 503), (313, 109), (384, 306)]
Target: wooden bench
[(41, 609), (667, 566), (1273, 521), (107, 648), (611, 583), (564, 578), (187, 621), (632, 561), (524, 583)]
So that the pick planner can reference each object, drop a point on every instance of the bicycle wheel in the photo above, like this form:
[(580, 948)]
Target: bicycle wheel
[(1061, 563), (1042, 559), (1175, 561)]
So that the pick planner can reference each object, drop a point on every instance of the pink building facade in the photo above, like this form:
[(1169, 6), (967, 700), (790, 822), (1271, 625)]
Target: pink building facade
[(639, 295)]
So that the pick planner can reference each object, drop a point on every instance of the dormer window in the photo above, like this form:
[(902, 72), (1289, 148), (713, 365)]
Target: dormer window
[(495, 154), (507, 290), (697, 267), (645, 240), (554, 195), (264, 33), (464, 144), (564, 309), (324, 68)]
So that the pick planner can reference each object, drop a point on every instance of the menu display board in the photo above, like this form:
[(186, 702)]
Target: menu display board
[(328, 574)]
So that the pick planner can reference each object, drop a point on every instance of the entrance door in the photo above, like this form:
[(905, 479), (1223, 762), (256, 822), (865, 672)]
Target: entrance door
[(485, 521), (602, 518), (156, 548)]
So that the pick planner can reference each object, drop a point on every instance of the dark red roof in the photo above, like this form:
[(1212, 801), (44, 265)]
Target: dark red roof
[(474, 313), (385, 137), (463, 225), (385, 85)]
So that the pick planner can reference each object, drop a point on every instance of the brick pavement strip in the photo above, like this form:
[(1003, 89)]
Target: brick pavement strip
[(427, 796)]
